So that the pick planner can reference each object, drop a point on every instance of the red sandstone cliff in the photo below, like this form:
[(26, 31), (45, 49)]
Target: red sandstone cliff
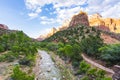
[(80, 18), (108, 24)]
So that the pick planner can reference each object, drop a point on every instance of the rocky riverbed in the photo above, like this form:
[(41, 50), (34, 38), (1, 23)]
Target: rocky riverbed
[(47, 68)]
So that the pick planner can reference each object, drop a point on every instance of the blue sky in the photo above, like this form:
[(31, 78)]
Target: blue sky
[(36, 17)]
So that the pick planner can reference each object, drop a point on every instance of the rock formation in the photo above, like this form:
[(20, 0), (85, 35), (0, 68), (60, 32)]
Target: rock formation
[(53, 30), (64, 26), (107, 24), (96, 20), (3, 26), (116, 69), (80, 18), (40, 38), (44, 36)]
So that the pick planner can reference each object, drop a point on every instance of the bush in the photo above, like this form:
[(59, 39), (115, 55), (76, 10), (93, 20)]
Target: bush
[(85, 78), (106, 78), (84, 67), (92, 72), (15, 48), (1, 48), (75, 63), (100, 73), (52, 46), (61, 52), (68, 51), (76, 53), (9, 56), (2, 58), (19, 75), (28, 60), (25, 61)]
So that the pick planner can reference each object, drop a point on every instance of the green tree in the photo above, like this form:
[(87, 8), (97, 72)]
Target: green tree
[(84, 67), (110, 53), (68, 50), (91, 45)]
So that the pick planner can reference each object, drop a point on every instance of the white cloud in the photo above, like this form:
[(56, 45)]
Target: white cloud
[(62, 14), (66, 13), (64, 8), (103, 7), (33, 15), (113, 11), (45, 20)]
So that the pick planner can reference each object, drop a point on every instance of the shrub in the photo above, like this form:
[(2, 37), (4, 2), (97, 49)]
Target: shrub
[(15, 48), (92, 72), (106, 78), (60, 52), (2, 58), (28, 60), (68, 51), (52, 46), (9, 56), (1, 48), (85, 78), (100, 73), (84, 67), (19, 75)]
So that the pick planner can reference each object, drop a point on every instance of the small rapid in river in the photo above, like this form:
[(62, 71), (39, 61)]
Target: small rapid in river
[(48, 70)]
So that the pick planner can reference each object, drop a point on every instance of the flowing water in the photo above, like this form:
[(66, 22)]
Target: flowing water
[(48, 70)]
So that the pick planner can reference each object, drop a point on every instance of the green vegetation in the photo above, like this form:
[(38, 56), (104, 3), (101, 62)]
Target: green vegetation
[(91, 73), (70, 43), (18, 46), (20, 75), (88, 41), (91, 45), (73, 35), (110, 53)]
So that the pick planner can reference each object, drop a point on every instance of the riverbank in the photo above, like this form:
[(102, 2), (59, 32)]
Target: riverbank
[(65, 70)]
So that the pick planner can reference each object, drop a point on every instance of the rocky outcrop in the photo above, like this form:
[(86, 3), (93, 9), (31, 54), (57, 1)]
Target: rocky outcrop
[(44, 36), (5, 30), (40, 38), (3, 26), (64, 26), (106, 24), (53, 30), (116, 69), (80, 18)]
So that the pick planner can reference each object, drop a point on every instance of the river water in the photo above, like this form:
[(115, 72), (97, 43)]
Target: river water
[(48, 70)]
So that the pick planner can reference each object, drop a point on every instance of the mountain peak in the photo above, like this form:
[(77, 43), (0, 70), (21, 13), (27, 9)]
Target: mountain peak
[(80, 18), (3, 26), (97, 15)]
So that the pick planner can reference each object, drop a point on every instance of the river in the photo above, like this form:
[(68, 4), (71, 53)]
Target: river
[(47, 68)]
